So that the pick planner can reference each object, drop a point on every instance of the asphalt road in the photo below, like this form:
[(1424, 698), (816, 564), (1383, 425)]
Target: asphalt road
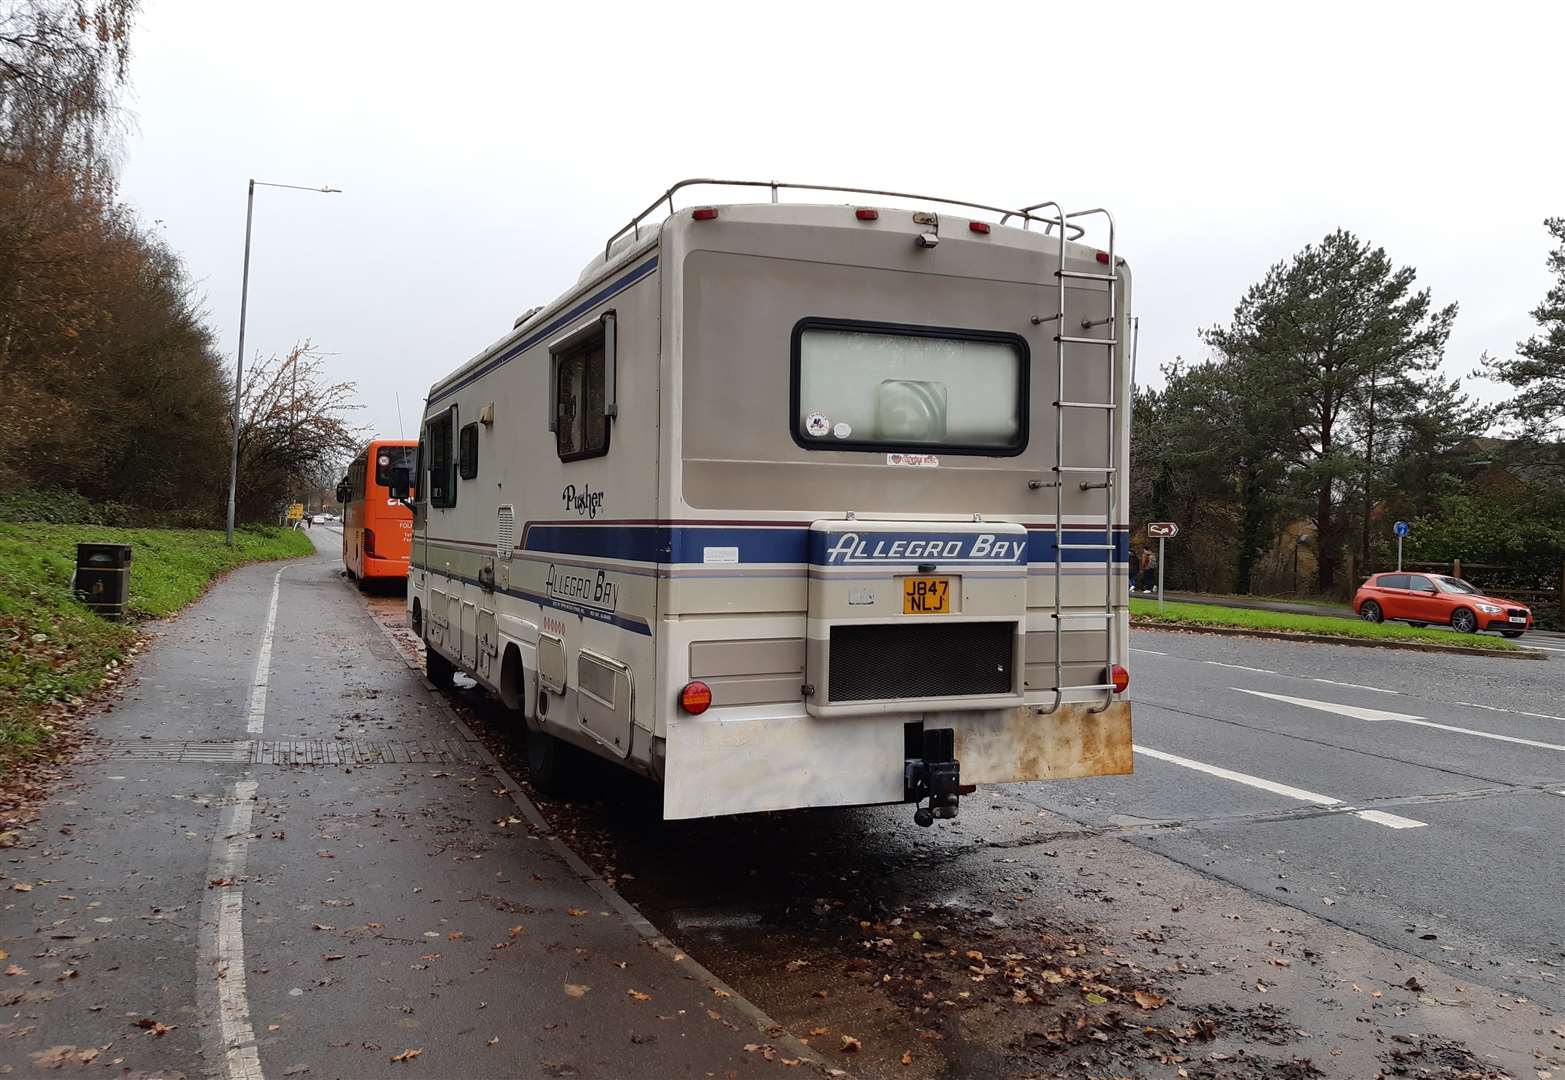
[(1460, 762)]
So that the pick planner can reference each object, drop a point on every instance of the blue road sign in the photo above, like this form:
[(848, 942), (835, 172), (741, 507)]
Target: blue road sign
[(1400, 528)]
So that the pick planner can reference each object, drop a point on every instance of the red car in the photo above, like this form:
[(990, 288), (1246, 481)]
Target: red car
[(1422, 599)]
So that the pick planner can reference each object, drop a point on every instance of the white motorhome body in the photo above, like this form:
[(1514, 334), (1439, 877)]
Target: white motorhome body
[(789, 505)]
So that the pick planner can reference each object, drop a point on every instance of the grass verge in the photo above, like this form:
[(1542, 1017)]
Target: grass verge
[(1176, 614), (53, 650)]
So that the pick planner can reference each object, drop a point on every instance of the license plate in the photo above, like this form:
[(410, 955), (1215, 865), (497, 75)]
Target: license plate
[(1518, 618), (926, 596)]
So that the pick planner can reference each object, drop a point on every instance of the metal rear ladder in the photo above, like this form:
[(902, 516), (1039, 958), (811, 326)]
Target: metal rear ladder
[(1061, 470)]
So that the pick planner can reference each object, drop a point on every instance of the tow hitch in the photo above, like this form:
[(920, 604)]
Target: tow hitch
[(936, 776)]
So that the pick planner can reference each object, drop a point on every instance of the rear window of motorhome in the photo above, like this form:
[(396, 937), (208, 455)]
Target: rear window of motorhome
[(389, 458), (869, 386)]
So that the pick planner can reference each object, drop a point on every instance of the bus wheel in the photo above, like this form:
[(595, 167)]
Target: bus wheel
[(551, 763), (438, 668)]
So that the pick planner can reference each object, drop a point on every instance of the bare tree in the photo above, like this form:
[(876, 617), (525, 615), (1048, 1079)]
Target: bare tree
[(293, 431)]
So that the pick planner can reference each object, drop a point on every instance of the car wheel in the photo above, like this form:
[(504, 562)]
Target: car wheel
[(1511, 633), (1370, 611), (438, 668), (1464, 621)]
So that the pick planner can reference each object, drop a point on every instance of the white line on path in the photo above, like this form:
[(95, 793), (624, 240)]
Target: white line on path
[(1359, 713), (222, 938), (1150, 652), (263, 663), (1378, 817)]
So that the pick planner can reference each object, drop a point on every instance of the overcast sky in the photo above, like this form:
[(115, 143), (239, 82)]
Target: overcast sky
[(486, 150)]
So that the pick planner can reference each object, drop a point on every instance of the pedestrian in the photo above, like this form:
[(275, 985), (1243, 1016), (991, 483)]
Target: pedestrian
[(1148, 569)]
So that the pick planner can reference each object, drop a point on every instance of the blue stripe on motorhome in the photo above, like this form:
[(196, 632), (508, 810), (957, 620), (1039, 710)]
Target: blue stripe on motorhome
[(688, 544), (613, 288)]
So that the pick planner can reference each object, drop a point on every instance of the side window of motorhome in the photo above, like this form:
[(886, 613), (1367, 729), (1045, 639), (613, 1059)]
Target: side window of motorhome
[(467, 456), (442, 459), (418, 474), (581, 386), (875, 387)]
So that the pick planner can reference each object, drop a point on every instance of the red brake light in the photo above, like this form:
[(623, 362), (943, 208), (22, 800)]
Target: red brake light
[(705, 213), (867, 214), (695, 698), (978, 226), (1120, 678), (369, 542), (1103, 257)]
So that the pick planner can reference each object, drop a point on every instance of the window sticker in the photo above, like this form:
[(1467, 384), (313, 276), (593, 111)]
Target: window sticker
[(842, 429), (817, 425)]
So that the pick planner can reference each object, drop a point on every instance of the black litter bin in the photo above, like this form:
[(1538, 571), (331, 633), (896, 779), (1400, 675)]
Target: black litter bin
[(103, 577)]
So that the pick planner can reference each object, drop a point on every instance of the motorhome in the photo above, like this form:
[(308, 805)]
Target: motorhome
[(794, 502)]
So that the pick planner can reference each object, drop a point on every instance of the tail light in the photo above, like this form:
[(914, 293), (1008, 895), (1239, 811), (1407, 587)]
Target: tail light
[(695, 698), (1103, 257), (867, 214), (1120, 678), (369, 541), (978, 226), (705, 213)]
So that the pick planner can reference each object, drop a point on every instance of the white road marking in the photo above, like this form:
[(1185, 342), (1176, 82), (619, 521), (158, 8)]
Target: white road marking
[(263, 663), (1351, 685), (222, 939), (1390, 821), (1286, 791), (1545, 648), (1360, 713), (1240, 778), (1241, 667), (1150, 652)]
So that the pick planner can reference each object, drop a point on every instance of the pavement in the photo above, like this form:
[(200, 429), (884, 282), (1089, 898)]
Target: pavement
[(286, 860)]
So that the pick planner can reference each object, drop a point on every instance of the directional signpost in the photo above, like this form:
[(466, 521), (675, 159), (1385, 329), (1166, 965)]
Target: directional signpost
[(1400, 528), (1162, 530)]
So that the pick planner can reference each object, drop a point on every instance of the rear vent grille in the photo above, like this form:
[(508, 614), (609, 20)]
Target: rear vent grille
[(505, 532), (921, 660)]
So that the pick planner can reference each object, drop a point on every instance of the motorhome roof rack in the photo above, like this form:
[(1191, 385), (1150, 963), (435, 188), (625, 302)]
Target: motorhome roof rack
[(775, 186)]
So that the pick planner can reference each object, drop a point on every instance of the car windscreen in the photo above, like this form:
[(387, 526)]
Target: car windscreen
[(1455, 585)]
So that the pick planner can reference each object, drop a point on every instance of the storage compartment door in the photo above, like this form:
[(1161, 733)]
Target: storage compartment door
[(603, 700)]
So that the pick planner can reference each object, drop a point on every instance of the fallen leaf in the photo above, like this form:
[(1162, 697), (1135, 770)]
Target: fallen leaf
[(850, 1045), (22, 886), (1097, 999), (321, 926), (273, 1027), (820, 1031), (637, 995), (1148, 1000), (575, 990), (493, 1042), (575, 912), (907, 1057), (724, 993), (455, 935), (332, 956), (12, 969), (407, 1055), (154, 1028), (515, 930)]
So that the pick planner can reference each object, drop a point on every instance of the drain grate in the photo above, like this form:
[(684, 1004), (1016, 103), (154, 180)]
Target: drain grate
[(299, 752)]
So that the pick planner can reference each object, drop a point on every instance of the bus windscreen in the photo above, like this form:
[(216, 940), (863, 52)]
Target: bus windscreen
[(393, 457)]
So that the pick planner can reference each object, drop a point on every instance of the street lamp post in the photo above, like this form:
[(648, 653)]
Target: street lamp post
[(239, 364)]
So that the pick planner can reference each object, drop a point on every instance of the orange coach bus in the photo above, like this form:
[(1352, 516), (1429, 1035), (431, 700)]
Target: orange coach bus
[(377, 530)]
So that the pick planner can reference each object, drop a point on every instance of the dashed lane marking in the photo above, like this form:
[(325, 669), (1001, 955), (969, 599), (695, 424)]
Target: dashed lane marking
[(1377, 817), (1149, 652), (1360, 713), (1349, 685), (1241, 667), (263, 663)]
